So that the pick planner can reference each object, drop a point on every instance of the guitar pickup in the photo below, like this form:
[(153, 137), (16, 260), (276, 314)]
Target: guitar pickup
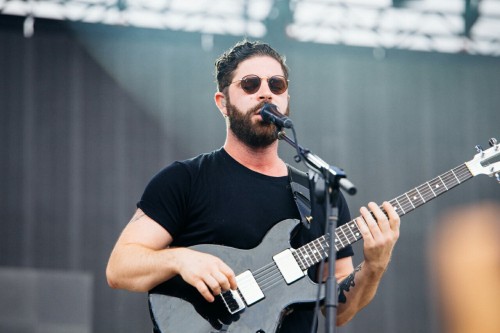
[(248, 293), (249, 288), (288, 266)]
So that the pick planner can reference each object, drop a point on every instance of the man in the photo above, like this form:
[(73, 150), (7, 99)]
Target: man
[(234, 195)]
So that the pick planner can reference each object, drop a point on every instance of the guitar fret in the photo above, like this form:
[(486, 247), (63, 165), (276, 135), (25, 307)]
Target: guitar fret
[(415, 198), (337, 239), (314, 253), (404, 201), (450, 179), (409, 205), (347, 239), (437, 187), (399, 206), (410, 200), (416, 188), (300, 257), (303, 256), (426, 192), (308, 255), (319, 251), (430, 187), (322, 247), (352, 233), (352, 225), (458, 180), (443, 183), (346, 234), (327, 245)]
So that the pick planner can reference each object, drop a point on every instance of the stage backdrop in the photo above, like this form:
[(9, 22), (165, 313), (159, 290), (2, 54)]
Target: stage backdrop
[(89, 113)]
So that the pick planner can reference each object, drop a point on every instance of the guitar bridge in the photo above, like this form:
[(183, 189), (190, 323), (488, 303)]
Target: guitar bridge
[(233, 301)]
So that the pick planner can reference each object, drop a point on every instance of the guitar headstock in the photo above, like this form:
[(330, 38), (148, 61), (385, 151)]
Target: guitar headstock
[(487, 161)]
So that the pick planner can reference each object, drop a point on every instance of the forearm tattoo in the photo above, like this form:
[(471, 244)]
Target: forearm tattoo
[(346, 284)]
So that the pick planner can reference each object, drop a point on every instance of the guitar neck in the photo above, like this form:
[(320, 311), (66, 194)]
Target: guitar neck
[(317, 250)]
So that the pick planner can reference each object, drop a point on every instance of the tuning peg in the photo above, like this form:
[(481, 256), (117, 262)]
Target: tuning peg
[(492, 142), (479, 148)]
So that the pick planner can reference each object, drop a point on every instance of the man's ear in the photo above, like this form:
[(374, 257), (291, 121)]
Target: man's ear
[(220, 101)]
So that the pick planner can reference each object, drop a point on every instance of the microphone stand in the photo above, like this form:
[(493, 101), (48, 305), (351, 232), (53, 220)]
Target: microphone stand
[(327, 180)]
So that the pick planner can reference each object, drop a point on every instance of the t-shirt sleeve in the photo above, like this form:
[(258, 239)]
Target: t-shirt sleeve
[(165, 198), (344, 217)]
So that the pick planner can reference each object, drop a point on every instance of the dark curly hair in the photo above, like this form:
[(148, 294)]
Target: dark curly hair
[(227, 63)]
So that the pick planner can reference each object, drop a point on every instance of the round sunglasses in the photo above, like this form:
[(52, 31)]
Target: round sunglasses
[(250, 84)]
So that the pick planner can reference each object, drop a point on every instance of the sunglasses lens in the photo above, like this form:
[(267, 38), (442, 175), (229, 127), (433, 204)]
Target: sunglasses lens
[(278, 84), (250, 84)]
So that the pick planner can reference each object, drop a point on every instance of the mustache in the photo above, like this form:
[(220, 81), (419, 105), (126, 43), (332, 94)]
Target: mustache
[(256, 109)]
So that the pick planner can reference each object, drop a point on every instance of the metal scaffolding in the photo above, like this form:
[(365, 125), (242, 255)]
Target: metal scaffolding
[(451, 26)]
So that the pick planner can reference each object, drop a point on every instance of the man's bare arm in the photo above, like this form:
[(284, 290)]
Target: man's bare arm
[(380, 232), (142, 259)]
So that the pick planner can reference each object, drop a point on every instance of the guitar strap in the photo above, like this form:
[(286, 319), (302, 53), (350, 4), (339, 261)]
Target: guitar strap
[(299, 182)]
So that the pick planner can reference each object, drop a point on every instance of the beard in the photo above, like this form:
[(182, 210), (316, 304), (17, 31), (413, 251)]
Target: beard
[(255, 134)]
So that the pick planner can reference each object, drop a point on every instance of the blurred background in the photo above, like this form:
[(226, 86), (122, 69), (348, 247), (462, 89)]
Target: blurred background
[(96, 96)]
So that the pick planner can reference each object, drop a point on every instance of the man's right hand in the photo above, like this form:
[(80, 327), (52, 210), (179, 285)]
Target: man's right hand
[(207, 273)]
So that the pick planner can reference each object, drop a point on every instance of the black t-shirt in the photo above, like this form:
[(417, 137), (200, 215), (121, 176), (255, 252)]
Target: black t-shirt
[(212, 199)]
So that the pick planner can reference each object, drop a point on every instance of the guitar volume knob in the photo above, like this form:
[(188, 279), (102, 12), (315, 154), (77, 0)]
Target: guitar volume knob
[(492, 142)]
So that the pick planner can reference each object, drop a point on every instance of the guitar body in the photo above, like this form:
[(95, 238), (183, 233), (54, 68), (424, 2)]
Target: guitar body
[(176, 306)]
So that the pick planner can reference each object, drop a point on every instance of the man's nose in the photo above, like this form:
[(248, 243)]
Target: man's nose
[(264, 92)]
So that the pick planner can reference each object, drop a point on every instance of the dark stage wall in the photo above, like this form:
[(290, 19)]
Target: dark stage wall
[(89, 113)]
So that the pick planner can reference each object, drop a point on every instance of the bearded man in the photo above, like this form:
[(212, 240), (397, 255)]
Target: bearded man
[(233, 197)]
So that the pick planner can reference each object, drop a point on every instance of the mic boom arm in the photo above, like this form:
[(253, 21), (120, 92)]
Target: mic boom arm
[(320, 166)]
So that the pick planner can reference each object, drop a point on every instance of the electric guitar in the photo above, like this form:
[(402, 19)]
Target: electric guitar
[(273, 276)]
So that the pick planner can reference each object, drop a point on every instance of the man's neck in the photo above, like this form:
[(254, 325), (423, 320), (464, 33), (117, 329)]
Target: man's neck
[(263, 160)]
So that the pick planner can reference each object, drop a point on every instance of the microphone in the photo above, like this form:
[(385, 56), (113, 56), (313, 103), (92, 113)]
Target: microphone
[(270, 114)]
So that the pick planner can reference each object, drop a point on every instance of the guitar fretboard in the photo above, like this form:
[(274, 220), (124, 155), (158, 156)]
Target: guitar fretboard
[(317, 250)]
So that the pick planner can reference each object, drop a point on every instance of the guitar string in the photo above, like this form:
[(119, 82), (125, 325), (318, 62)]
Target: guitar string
[(257, 271), (408, 205), (269, 275), (271, 280), (453, 178)]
